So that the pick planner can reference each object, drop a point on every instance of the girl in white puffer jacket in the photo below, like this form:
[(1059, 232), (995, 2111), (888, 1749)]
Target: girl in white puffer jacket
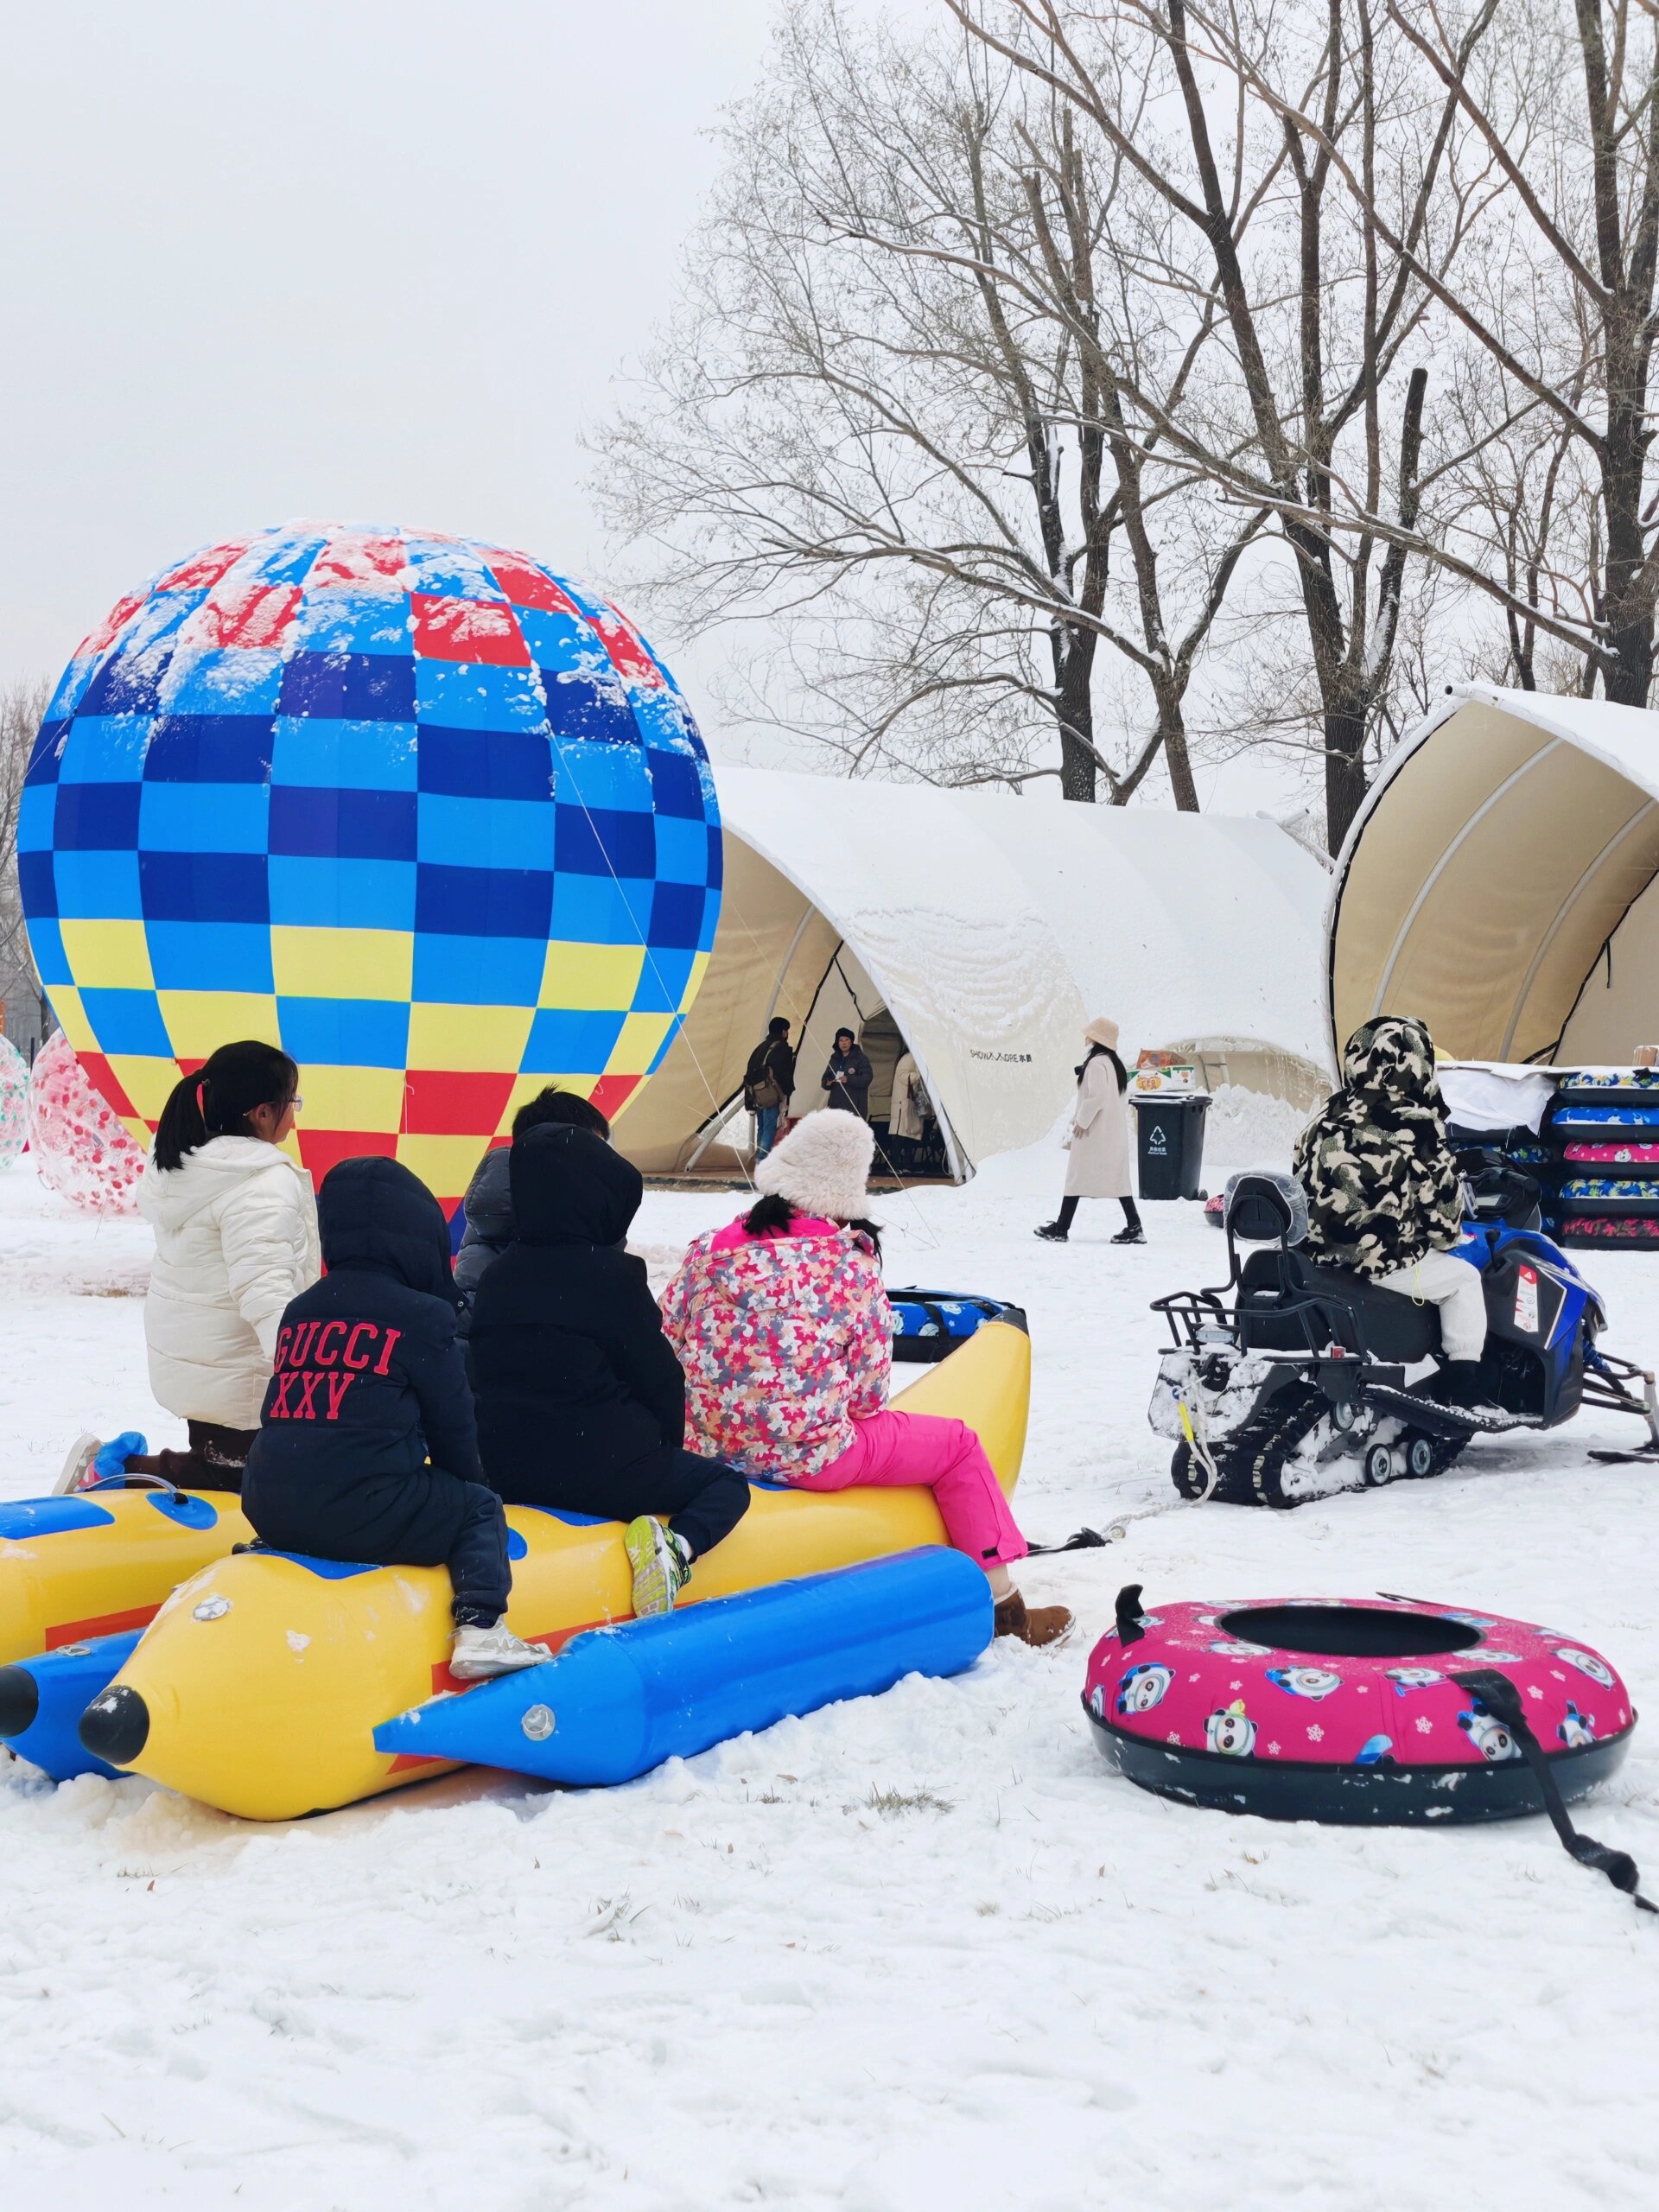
[(236, 1238)]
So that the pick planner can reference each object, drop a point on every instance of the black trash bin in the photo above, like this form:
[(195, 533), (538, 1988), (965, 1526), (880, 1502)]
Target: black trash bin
[(1171, 1145)]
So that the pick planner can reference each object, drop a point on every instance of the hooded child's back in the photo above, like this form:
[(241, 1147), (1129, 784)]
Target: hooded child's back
[(368, 1381), (571, 1367)]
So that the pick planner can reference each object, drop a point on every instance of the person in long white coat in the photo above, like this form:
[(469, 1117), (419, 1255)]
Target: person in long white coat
[(909, 1100), (1099, 1165), (236, 1239)]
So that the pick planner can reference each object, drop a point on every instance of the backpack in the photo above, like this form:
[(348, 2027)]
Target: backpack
[(760, 1090)]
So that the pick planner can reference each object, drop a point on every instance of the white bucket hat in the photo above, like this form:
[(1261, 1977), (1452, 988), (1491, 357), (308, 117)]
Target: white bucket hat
[(823, 1166)]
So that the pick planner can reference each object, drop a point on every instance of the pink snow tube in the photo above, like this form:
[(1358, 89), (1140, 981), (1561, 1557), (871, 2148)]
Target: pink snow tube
[(1348, 1709)]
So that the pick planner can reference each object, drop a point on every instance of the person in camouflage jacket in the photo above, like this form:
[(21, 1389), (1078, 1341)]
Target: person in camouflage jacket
[(1375, 1161)]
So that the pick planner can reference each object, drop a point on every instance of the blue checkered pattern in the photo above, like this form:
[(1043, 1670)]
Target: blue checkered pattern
[(434, 818)]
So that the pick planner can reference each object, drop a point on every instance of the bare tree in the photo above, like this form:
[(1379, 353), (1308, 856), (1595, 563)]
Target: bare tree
[(23, 704), (890, 419), (1307, 130), (1560, 310)]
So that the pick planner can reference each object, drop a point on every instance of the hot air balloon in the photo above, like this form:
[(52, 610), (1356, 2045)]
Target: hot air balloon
[(431, 818)]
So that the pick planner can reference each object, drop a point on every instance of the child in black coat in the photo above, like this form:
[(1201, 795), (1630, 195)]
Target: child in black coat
[(581, 1397), (367, 1447)]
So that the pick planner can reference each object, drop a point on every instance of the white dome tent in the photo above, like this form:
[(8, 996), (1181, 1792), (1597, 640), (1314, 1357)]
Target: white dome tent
[(1499, 882), (983, 931)]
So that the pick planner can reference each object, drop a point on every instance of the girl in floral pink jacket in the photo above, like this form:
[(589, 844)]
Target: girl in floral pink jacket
[(785, 1335)]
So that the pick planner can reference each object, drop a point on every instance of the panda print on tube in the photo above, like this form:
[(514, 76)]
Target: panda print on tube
[(1407, 1679), (1144, 1686), (1487, 1734), (1578, 1729), (1231, 1732), (1305, 1681), (1587, 1663)]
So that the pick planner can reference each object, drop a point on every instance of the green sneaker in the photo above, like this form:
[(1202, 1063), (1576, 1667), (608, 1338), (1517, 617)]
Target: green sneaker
[(661, 1564)]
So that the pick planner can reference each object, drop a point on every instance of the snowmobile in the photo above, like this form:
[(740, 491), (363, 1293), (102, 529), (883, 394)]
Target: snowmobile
[(1294, 1381)]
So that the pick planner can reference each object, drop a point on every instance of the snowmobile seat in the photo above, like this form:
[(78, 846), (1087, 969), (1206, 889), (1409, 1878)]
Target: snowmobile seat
[(1287, 1303)]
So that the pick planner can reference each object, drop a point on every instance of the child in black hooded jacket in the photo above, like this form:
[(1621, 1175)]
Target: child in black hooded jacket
[(581, 1397), (367, 1448)]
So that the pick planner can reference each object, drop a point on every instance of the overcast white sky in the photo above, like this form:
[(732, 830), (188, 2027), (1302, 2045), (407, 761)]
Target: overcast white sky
[(364, 258), (367, 258)]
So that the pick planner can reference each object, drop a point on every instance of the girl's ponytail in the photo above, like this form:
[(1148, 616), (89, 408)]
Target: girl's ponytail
[(770, 1216), (181, 1129), (218, 1099)]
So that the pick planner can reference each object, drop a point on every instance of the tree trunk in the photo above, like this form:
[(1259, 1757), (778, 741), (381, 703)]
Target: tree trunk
[(1627, 671), (1078, 772), (1345, 769), (1172, 723)]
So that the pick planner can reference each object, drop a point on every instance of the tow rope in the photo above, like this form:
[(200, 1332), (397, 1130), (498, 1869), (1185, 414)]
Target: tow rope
[(1499, 1695)]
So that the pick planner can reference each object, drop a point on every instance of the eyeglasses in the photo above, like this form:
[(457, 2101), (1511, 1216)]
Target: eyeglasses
[(295, 1103)]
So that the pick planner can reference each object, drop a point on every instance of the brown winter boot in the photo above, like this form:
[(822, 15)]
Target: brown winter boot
[(1038, 1624)]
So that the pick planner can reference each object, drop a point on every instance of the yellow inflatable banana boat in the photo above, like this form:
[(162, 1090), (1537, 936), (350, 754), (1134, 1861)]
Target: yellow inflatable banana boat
[(72, 1569), (259, 1686)]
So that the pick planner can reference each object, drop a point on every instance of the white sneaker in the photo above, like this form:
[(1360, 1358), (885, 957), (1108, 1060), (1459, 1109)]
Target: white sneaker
[(661, 1564), (77, 1471), (481, 1652)]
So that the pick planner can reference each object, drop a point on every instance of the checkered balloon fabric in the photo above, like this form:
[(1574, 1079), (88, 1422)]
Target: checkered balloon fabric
[(432, 817)]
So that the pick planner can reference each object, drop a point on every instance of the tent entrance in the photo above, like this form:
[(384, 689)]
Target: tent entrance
[(775, 953)]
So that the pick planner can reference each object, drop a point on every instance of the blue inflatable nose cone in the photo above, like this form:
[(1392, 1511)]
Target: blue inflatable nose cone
[(115, 1727)]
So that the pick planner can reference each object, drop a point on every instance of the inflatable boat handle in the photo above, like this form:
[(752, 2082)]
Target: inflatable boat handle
[(1499, 1695), (1130, 1626), (135, 1482)]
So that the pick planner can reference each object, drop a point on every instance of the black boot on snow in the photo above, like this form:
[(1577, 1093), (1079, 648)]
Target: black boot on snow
[(1050, 1232), (1135, 1236), (1459, 1383)]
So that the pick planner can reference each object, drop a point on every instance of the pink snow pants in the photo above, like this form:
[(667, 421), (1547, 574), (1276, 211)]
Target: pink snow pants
[(890, 1449)]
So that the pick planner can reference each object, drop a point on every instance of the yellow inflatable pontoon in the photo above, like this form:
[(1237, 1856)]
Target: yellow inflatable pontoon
[(259, 1686), (72, 1569)]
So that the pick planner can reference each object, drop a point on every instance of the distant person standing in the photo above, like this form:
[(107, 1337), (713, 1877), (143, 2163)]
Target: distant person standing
[(848, 1076), (1099, 1139), (906, 1115), (769, 1084)]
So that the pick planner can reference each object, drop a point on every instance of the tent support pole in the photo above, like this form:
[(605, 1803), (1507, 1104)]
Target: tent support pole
[(783, 964)]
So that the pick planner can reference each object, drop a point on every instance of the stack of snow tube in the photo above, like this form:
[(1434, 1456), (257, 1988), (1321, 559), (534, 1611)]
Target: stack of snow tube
[(1606, 1123)]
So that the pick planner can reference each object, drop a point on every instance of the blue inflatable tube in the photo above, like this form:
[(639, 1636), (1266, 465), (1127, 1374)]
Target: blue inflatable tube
[(41, 1700), (616, 1702)]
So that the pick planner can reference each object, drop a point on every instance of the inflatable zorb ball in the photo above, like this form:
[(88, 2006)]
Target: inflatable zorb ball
[(14, 1101), (80, 1148), (431, 818)]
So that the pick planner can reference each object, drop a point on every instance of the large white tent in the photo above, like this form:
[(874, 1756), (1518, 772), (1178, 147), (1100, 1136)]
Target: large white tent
[(1499, 881), (983, 931)]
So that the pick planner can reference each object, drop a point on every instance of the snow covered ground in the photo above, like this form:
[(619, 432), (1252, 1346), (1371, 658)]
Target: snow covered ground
[(914, 1953)]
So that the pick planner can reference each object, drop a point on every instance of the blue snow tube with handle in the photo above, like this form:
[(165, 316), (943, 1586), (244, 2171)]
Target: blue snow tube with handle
[(618, 1702)]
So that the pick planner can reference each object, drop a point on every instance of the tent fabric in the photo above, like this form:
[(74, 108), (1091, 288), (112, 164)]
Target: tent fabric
[(1498, 883), (991, 928)]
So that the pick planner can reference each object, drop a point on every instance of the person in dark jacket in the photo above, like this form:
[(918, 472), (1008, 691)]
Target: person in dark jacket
[(581, 1400), (848, 1075), (768, 1084), (488, 1203), (367, 1447)]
